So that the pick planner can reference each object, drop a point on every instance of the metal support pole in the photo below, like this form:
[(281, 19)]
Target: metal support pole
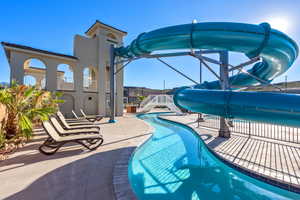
[(200, 66), (224, 129), (179, 72), (120, 69), (112, 86), (200, 117)]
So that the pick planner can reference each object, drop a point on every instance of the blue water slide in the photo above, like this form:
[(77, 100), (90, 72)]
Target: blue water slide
[(277, 50), (175, 164)]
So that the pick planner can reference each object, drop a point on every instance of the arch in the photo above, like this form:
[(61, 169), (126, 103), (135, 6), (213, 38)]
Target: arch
[(34, 67), (65, 77), (34, 62), (90, 79), (68, 105), (90, 105)]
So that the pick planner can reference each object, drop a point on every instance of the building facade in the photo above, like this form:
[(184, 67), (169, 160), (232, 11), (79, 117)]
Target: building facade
[(84, 77)]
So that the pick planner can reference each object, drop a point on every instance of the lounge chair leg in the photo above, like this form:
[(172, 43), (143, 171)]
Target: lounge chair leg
[(50, 144), (91, 145), (95, 119), (92, 141)]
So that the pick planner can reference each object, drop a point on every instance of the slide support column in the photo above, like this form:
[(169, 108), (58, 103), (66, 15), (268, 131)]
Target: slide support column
[(112, 86), (224, 129), (200, 117)]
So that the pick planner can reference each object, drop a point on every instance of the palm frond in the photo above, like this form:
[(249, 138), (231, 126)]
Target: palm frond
[(25, 126)]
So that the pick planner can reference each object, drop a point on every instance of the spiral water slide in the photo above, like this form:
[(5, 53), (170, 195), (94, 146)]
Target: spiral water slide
[(277, 51)]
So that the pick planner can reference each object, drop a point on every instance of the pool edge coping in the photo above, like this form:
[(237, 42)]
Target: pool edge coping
[(121, 186)]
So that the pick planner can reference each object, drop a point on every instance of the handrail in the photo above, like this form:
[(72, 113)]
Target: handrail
[(159, 100)]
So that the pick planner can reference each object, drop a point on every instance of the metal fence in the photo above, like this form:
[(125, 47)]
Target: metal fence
[(265, 130)]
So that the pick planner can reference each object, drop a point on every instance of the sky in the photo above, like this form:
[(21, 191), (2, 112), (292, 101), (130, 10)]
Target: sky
[(52, 24)]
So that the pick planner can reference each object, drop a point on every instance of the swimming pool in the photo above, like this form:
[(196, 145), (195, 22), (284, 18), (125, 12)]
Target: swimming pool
[(176, 164)]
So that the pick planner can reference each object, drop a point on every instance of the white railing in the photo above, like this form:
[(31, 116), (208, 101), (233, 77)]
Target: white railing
[(153, 101), (147, 100)]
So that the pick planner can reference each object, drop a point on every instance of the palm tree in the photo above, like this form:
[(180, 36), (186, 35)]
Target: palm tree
[(25, 105)]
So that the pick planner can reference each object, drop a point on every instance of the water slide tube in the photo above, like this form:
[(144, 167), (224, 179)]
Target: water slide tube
[(277, 50)]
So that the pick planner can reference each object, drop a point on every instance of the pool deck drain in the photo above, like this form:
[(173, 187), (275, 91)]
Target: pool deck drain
[(275, 161)]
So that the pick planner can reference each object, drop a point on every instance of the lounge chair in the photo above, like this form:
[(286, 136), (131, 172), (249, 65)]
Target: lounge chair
[(55, 140), (74, 126), (73, 122), (63, 131), (80, 118), (91, 118)]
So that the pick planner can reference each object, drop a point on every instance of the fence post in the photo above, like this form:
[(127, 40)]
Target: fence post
[(249, 124)]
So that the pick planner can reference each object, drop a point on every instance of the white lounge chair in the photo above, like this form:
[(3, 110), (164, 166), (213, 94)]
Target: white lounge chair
[(71, 124), (91, 118), (64, 131), (79, 118), (55, 140), (76, 126)]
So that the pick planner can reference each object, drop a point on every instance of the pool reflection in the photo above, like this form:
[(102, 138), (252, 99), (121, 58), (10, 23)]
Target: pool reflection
[(175, 164)]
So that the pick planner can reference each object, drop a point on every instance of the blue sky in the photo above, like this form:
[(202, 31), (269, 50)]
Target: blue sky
[(51, 25)]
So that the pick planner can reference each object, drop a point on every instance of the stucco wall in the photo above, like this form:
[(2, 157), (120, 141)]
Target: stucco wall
[(86, 50), (93, 51)]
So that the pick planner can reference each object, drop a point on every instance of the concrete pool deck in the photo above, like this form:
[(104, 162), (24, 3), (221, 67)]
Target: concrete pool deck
[(73, 173), (275, 160)]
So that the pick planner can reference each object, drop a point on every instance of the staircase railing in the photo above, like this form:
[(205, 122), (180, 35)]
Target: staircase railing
[(159, 100)]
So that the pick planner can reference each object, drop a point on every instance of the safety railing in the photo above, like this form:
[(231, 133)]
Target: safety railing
[(147, 100), (252, 128), (159, 100)]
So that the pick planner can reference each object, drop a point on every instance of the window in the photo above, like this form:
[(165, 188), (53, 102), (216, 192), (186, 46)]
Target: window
[(89, 79), (65, 77)]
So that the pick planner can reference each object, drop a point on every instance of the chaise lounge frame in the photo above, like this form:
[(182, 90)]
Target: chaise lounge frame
[(56, 140)]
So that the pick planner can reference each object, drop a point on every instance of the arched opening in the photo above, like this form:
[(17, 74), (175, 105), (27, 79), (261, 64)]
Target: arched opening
[(29, 80), (89, 79), (65, 77), (35, 73)]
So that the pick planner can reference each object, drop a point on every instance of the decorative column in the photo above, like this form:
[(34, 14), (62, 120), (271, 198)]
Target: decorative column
[(39, 80), (51, 75), (16, 63), (78, 86), (103, 49)]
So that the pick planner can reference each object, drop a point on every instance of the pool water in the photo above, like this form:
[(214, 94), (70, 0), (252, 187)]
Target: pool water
[(176, 164)]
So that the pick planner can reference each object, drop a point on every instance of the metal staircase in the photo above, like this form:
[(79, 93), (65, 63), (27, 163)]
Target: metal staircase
[(153, 101)]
